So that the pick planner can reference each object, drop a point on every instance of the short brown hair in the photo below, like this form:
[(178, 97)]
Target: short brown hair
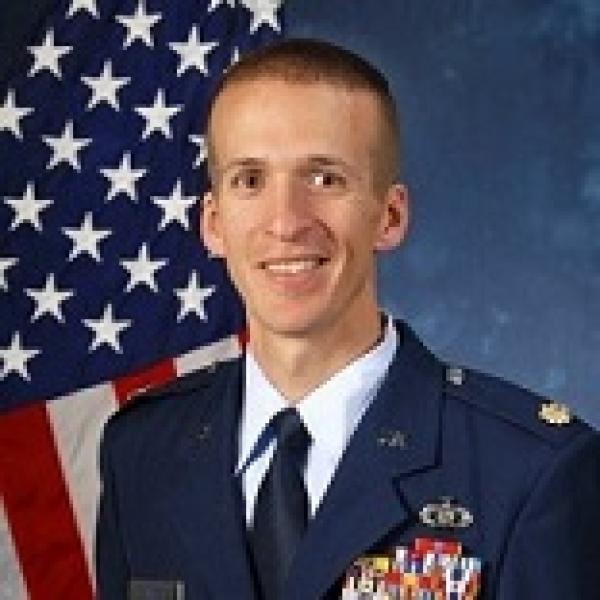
[(311, 61)]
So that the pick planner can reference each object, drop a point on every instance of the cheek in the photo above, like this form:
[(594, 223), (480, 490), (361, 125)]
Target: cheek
[(234, 248), (237, 246), (360, 212), (358, 227), (233, 226)]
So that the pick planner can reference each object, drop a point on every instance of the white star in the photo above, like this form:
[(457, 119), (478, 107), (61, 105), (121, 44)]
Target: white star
[(5, 264), (10, 114), (175, 207), (47, 56), (106, 330), (65, 147), (139, 25), (123, 178), (15, 358), (157, 116), (86, 5), (105, 87), (142, 270), (192, 298), (86, 238), (263, 11), (214, 4), (200, 141), (48, 300), (193, 53), (27, 209)]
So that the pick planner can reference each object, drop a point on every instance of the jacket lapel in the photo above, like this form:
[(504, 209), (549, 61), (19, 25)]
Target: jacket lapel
[(393, 448), (207, 502)]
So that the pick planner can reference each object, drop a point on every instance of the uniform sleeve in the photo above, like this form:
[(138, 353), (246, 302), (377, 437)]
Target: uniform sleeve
[(111, 562), (553, 552)]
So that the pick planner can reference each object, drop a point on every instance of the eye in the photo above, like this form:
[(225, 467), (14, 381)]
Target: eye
[(327, 180), (247, 180)]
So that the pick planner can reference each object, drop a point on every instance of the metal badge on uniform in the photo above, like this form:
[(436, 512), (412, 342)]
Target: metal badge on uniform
[(428, 568), (391, 438), (445, 513), (555, 413), (203, 432), (154, 589), (455, 375)]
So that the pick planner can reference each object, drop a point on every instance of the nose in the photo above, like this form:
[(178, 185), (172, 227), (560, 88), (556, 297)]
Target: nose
[(288, 209)]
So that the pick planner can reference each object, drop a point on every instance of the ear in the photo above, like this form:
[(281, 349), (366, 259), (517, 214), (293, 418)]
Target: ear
[(210, 225), (394, 219)]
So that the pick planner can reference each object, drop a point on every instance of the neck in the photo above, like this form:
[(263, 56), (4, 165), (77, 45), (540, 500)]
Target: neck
[(298, 364)]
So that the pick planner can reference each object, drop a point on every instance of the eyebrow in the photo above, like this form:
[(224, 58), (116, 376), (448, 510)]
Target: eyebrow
[(321, 160), (328, 161), (242, 162), (318, 160)]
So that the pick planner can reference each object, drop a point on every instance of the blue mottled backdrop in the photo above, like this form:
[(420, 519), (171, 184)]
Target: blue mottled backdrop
[(501, 117)]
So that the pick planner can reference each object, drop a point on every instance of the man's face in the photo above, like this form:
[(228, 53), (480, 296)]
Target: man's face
[(294, 208)]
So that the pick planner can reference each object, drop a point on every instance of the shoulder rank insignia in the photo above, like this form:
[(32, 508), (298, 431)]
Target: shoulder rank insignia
[(555, 413), (455, 375), (445, 514)]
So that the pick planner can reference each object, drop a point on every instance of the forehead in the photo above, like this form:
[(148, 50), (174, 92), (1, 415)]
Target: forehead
[(267, 117)]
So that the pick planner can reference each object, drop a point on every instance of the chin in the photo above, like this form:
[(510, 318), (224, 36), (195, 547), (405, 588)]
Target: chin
[(288, 323)]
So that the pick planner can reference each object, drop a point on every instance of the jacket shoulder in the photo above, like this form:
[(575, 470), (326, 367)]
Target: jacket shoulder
[(522, 409), (154, 404)]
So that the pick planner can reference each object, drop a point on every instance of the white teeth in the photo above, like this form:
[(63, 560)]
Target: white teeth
[(293, 266)]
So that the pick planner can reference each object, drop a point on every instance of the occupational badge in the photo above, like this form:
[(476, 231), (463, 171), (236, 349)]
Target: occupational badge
[(445, 514)]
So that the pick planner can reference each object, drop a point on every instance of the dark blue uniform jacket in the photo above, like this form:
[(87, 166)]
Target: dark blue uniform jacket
[(171, 508)]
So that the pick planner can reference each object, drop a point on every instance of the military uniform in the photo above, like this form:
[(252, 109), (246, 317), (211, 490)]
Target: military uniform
[(445, 455)]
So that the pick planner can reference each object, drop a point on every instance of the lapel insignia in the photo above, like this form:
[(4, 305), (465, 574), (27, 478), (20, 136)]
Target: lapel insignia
[(429, 569), (391, 438), (554, 413), (445, 514), (202, 433)]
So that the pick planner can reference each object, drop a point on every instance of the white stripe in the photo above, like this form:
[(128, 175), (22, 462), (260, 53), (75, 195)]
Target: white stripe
[(77, 420), (224, 349), (12, 585)]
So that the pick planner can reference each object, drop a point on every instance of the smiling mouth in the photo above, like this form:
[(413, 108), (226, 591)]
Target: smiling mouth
[(292, 266)]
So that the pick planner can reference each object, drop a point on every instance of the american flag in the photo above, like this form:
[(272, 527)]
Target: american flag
[(105, 287)]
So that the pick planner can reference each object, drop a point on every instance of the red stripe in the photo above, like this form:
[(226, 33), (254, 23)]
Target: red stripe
[(159, 373), (38, 508)]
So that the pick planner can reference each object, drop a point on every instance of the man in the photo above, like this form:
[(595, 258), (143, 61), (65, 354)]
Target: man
[(337, 436)]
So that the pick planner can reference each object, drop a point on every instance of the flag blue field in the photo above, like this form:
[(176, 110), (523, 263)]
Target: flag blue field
[(105, 286)]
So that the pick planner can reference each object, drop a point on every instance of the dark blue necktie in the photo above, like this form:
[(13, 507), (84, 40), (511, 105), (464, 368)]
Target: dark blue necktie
[(281, 511)]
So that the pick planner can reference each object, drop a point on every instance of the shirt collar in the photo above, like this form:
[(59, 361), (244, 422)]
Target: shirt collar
[(261, 403), (330, 413)]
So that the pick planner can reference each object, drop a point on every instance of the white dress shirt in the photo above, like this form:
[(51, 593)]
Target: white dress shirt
[(330, 413)]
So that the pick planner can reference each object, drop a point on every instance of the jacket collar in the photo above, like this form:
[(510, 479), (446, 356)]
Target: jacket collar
[(206, 497), (395, 445)]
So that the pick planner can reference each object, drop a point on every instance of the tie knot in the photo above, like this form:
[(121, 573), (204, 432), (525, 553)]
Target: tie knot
[(291, 433)]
